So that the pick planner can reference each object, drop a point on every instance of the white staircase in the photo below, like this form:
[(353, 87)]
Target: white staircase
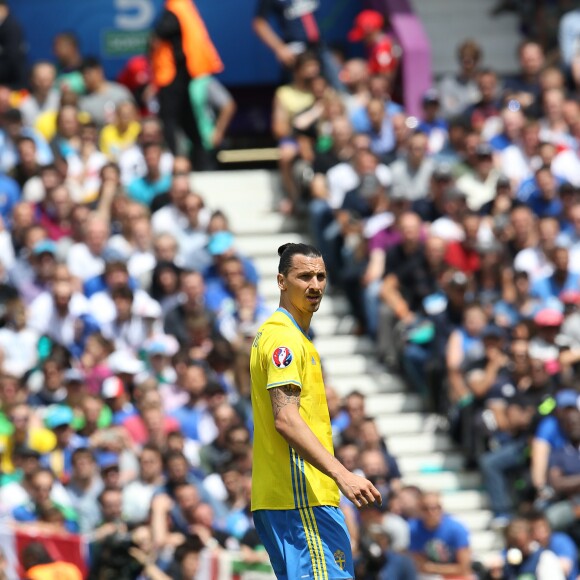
[(449, 22), (426, 459)]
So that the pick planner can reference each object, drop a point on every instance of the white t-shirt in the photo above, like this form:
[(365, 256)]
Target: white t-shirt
[(342, 178), (19, 347), (132, 164), (102, 307), (534, 262), (83, 264), (43, 317), (566, 165)]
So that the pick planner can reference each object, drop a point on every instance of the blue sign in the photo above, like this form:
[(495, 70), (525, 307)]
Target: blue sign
[(115, 30)]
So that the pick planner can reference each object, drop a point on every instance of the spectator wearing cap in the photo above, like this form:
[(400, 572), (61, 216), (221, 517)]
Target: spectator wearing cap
[(454, 148), (517, 406), (115, 395), (383, 52), (159, 350), (41, 485), (439, 544), (412, 174), (564, 467), (100, 92), (221, 246), (432, 124), (115, 274), (541, 193), (561, 279), (59, 419), (459, 91), (84, 488), (480, 184)]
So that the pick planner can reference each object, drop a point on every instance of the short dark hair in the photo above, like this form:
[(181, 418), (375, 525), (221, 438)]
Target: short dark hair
[(288, 251), (82, 451), (122, 292), (192, 544), (90, 62)]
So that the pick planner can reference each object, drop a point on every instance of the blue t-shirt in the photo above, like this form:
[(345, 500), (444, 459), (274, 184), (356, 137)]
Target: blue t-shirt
[(547, 287), (188, 420), (360, 118), (549, 430), (145, 191), (441, 544), (566, 459), (398, 566), (27, 513), (500, 142), (563, 546), (9, 197)]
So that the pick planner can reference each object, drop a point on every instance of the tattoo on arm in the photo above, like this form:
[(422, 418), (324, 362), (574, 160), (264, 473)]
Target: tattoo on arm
[(282, 396)]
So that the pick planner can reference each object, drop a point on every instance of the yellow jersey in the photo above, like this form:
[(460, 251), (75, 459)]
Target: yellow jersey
[(283, 355)]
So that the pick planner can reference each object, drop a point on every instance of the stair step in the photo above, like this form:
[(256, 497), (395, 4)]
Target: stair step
[(343, 345), (486, 541), (347, 364), (263, 222), (266, 246), (400, 423), (443, 481), (365, 384), (476, 521), (431, 462), (467, 500), (331, 325), (381, 404), (400, 445), (231, 190)]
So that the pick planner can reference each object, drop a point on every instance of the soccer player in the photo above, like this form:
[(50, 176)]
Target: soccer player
[(296, 478)]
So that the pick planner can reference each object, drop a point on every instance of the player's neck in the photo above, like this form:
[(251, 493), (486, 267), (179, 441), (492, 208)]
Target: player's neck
[(302, 319)]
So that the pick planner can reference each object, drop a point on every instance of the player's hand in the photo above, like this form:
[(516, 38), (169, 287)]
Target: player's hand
[(360, 491)]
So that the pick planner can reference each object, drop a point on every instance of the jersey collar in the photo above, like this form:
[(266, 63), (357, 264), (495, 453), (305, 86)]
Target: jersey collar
[(284, 311)]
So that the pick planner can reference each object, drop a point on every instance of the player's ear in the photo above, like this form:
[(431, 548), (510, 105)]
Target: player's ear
[(281, 282)]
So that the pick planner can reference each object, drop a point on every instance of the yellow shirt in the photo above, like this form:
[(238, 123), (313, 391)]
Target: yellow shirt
[(39, 439), (294, 100), (113, 143), (281, 355)]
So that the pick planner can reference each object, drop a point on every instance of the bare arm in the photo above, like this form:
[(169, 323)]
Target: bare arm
[(280, 120), (290, 424), (391, 295), (160, 507), (269, 37), (540, 455), (223, 121), (563, 484)]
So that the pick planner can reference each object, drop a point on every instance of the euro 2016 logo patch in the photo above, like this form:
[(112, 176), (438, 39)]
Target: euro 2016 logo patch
[(282, 357)]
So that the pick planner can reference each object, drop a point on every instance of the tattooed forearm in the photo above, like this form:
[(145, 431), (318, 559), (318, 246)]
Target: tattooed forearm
[(282, 396)]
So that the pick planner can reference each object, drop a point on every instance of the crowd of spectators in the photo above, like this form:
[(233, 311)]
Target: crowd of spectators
[(127, 312)]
